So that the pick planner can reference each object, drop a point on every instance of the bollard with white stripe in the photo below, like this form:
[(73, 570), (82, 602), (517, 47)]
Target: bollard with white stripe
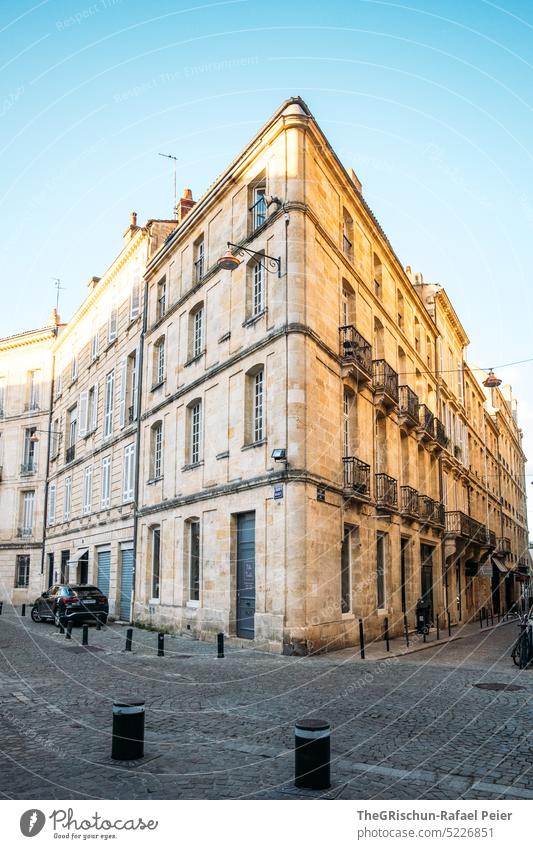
[(128, 730), (312, 754)]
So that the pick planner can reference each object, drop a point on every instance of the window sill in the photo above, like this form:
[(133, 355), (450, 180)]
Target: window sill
[(194, 605), (222, 456), (133, 320), (195, 358), (89, 433), (224, 337), (249, 445), (154, 601), (93, 362), (154, 480), (347, 616), (192, 466), (110, 343), (254, 318), (157, 385), (127, 501)]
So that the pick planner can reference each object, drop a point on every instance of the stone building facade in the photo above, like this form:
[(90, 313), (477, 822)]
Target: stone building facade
[(290, 439)]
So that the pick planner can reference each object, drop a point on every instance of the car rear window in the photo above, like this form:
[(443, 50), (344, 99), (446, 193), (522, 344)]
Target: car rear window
[(86, 592)]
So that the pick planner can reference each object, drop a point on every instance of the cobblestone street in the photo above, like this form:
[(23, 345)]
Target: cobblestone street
[(409, 727)]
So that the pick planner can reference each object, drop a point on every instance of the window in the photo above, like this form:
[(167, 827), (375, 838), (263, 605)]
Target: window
[(74, 368), (156, 562), (28, 504), (378, 277), (196, 333), (54, 439), (380, 569), (258, 431), (2, 396), (51, 504), (135, 297), (349, 425), (72, 433), (29, 465), (95, 345), (157, 445), (194, 560), (258, 208), (401, 308), (161, 306), (132, 386), (87, 489), (159, 361), (67, 499), (59, 383), (199, 260), (417, 335), (88, 410), (105, 496), (258, 289), (347, 234), (22, 576), (346, 569), (109, 399), (34, 382), (128, 481), (112, 324), (195, 416)]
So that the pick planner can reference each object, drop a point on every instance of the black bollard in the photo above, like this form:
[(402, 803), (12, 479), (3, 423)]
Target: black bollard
[(61, 629), (438, 627), (98, 624), (129, 638), (85, 635), (406, 630), (449, 624), (69, 629), (23, 610), (491, 616), (128, 730), (386, 633), (480, 618), (1, 606), (498, 616), (361, 639), (312, 754), (160, 645), (220, 645)]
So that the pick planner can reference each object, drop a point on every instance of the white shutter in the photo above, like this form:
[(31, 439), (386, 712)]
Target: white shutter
[(123, 377), (135, 295), (83, 412), (93, 424), (136, 382), (52, 504)]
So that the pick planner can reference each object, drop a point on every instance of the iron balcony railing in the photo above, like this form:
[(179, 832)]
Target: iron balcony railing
[(130, 414), (385, 379), (439, 513), (408, 402), (440, 433), (28, 468), (356, 476), (31, 406), (70, 453), (460, 524), (426, 507), (503, 545), (490, 538), (355, 348), (24, 532), (386, 491), (426, 419), (409, 500)]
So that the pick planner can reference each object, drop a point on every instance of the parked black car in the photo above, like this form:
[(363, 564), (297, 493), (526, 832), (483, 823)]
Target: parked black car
[(71, 602)]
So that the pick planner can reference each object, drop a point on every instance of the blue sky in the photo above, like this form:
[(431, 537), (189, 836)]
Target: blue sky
[(430, 102)]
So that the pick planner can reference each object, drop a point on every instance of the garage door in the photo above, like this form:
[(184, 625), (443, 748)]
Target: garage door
[(104, 571), (126, 582)]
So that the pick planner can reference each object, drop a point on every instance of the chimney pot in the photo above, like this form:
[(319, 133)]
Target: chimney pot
[(184, 205), (133, 219)]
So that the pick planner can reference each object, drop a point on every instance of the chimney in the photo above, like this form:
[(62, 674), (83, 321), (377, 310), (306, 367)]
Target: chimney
[(91, 283), (54, 319), (184, 205), (355, 180), (129, 232)]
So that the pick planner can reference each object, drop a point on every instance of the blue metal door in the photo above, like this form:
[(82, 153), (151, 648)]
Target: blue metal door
[(126, 583), (104, 571), (246, 575)]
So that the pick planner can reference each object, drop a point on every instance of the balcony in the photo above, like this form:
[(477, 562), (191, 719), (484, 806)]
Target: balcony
[(408, 406), (28, 468), (70, 454), (385, 381), (426, 423), (356, 353), (131, 416), (426, 507), (386, 492), (31, 407), (440, 434), (24, 533), (356, 477), (490, 538), (459, 524), (439, 514), (409, 501), (503, 545)]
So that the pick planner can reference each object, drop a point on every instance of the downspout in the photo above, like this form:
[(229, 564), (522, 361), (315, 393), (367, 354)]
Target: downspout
[(47, 470), (138, 443)]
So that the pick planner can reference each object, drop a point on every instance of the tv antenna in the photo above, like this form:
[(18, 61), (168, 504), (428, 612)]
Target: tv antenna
[(175, 159), (59, 288)]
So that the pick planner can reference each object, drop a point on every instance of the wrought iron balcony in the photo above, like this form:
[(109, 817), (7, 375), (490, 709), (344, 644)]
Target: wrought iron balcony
[(426, 421), (355, 350), (24, 532), (503, 545), (460, 524), (490, 538), (386, 492), (28, 468), (31, 406), (385, 381), (356, 476), (70, 453), (408, 501), (408, 404), (440, 433), (426, 507), (130, 414), (439, 514)]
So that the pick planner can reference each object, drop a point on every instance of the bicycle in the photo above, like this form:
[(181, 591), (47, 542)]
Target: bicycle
[(522, 650)]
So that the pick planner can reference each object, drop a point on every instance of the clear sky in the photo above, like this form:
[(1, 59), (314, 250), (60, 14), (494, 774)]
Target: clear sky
[(430, 101)]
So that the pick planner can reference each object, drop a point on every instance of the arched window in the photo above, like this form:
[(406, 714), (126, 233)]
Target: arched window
[(255, 288), (254, 413), (155, 561), (349, 423), (194, 430), (379, 340), (347, 304), (196, 331)]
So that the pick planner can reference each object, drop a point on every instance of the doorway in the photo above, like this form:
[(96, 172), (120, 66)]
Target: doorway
[(426, 564), (246, 575)]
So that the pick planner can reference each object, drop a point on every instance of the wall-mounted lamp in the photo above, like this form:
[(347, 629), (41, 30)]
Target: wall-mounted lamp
[(279, 455), (35, 438), (230, 260)]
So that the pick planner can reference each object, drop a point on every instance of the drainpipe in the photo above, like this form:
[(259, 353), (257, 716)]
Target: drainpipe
[(47, 469), (138, 443)]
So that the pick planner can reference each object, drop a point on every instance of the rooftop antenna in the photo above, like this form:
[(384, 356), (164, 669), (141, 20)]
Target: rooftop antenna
[(59, 288), (175, 159)]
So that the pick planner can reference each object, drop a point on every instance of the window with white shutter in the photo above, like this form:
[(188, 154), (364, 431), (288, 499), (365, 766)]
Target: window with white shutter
[(129, 473), (83, 412), (106, 483), (112, 327), (95, 345), (109, 400), (135, 300), (122, 397), (92, 408), (67, 499), (87, 489), (52, 503)]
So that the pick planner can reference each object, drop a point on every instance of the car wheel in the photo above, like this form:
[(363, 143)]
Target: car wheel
[(35, 614)]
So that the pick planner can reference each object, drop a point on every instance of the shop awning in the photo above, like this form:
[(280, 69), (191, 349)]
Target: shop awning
[(77, 556), (499, 564)]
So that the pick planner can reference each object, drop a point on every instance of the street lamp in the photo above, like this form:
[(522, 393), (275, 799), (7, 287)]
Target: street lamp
[(230, 261), (491, 381), (35, 438)]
